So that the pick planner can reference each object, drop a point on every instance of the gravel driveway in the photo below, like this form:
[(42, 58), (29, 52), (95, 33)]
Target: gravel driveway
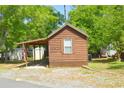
[(66, 77), (7, 83), (50, 77)]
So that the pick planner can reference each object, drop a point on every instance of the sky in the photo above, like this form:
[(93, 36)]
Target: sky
[(60, 8)]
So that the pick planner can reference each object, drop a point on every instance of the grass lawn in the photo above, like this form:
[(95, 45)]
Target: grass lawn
[(4, 66), (106, 74), (107, 66)]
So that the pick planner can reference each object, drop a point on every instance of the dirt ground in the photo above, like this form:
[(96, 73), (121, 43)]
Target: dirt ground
[(66, 77)]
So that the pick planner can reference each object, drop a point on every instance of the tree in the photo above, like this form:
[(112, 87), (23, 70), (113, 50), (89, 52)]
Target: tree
[(119, 45), (102, 23), (118, 28), (20, 23)]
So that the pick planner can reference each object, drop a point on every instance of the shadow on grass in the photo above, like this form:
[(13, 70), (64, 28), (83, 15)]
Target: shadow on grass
[(10, 62), (116, 65), (43, 62), (103, 60), (112, 63)]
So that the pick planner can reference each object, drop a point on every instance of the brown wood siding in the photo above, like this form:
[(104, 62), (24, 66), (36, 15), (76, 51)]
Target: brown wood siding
[(79, 54)]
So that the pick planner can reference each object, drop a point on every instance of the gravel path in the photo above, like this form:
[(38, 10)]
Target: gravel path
[(50, 77), (66, 77)]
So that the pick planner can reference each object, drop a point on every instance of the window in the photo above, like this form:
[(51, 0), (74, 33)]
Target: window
[(67, 46)]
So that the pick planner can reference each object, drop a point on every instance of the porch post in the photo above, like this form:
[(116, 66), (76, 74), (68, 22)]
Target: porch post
[(24, 54), (40, 51), (34, 52)]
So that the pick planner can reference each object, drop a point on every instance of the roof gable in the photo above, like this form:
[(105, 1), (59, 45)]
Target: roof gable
[(76, 29)]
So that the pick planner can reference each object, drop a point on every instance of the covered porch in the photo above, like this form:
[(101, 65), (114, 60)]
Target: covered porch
[(35, 52)]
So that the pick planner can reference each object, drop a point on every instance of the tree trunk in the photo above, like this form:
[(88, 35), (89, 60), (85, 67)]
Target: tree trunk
[(6, 55), (2, 56), (65, 11), (119, 57)]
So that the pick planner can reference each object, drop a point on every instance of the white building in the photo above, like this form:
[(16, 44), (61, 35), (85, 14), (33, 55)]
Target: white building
[(17, 54), (38, 53)]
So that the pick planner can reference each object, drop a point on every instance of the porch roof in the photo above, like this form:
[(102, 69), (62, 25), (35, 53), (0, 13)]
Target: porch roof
[(40, 41)]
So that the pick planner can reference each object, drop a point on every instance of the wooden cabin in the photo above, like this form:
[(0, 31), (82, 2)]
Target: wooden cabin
[(67, 46)]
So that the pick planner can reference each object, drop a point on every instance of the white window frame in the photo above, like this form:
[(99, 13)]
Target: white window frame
[(68, 46)]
